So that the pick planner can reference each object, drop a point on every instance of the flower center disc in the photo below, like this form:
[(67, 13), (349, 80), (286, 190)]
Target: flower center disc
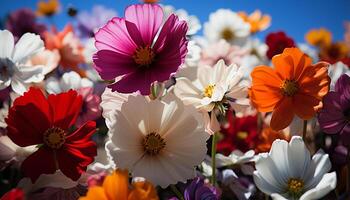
[(242, 135), (208, 91), (54, 137), (144, 55), (295, 186), (289, 87), (153, 143), (227, 34)]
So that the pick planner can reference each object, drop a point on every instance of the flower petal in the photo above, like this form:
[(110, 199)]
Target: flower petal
[(327, 184), (28, 45), (7, 44), (282, 115)]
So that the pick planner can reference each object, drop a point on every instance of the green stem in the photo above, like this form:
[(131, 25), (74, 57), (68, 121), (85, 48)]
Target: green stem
[(213, 160), (304, 130), (177, 192)]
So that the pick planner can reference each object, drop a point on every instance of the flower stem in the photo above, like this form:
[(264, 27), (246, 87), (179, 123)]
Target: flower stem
[(177, 192), (213, 160), (304, 130)]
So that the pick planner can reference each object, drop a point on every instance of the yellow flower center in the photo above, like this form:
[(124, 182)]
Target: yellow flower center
[(289, 87), (295, 186), (227, 34), (242, 135), (54, 137), (144, 55), (208, 91), (153, 143)]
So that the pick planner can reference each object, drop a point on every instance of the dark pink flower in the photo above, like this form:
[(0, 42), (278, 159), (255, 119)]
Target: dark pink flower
[(130, 49), (334, 118)]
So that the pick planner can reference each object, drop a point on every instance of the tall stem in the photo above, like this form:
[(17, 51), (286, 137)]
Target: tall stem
[(176, 192), (304, 130), (213, 160)]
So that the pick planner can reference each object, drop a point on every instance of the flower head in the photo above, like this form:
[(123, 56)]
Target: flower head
[(59, 147), (162, 143), (334, 118), (288, 172), (277, 42), (257, 21), (294, 86), (335, 52), (319, 37), (129, 50), (48, 8)]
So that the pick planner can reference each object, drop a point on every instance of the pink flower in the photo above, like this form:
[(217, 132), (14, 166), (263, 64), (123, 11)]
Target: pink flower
[(91, 106), (129, 49)]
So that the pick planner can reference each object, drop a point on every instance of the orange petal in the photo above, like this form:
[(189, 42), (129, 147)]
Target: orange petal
[(143, 191), (304, 106), (116, 185), (95, 193), (264, 75), (283, 114)]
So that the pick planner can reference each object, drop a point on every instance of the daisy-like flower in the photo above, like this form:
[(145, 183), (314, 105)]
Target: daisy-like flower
[(335, 52), (277, 42), (129, 49), (228, 25), (50, 129), (236, 157), (163, 142), (319, 37), (334, 118), (294, 86), (13, 58), (257, 21), (48, 8), (214, 87), (288, 172)]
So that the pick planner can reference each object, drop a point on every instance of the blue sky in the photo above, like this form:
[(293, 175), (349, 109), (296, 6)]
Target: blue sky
[(295, 17)]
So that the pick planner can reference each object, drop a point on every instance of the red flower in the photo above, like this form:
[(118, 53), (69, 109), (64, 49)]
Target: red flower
[(277, 42), (14, 194), (239, 133), (35, 120)]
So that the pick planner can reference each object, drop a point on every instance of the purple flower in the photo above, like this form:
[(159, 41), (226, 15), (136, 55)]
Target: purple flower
[(130, 49), (24, 21), (197, 190), (89, 23), (334, 118)]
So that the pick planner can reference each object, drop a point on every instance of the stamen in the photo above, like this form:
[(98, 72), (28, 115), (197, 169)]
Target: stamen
[(227, 34), (208, 91), (144, 56), (289, 87), (153, 143), (54, 137)]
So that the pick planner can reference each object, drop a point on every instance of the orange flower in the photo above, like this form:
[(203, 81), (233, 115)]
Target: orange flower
[(335, 52), (68, 45), (293, 87), (116, 187), (266, 139), (319, 37), (48, 8), (257, 21)]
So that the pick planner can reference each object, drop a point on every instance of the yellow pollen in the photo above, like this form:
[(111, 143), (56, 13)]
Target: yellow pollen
[(295, 186), (242, 135), (144, 55), (289, 87), (54, 137), (227, 34), (208, 91), (153, 143)]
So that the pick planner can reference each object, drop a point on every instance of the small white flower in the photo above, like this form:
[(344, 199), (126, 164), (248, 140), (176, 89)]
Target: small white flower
[(335, 71), (288, 172), (226, 24), (69, 80), (161, 141), (235, 158), (13, 58), (192, 21)]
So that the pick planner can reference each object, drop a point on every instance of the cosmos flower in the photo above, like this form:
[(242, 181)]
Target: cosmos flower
[(90, 22), (214, 87), (288, 172), (257, 21), (335, 114), (277, 42), (13, 58), (129, 49), (226, 24), (334, 52), (236, 157), (162, 143), (59, 147), (290, 88), (266, 138), (47, 8), (23, 21), (319, 37)]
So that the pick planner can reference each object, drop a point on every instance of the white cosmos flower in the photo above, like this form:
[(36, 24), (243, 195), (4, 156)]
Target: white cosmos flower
[(335, 71), (226, 24), (13, 68), (192, 21), (161, 141), (288, 172), (235, 158), (69, 80)]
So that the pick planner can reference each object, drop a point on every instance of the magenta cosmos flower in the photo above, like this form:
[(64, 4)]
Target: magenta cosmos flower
[(138, 49), (334, 117)]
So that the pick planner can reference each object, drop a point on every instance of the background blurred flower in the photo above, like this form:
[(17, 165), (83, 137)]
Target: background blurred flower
[(23, 21), (14, 194), (197, 189), (257, 21), (137, 56), (47, 8), (335, 71), (288, 172), (277, 42), (319, 37), (334, 52), (48, 59), (266, 138)]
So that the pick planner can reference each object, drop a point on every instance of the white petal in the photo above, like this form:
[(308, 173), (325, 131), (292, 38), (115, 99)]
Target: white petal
[(18, 86), (53, 86), (187, 92), (7, 148), (320, 165), (298, 157), (276, 196), (265, 185), (279, 155), (31, 74), (327, 184), (7, 43), (27, 46)]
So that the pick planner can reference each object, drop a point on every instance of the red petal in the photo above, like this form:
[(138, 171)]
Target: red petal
[(14, 194), (83, 134)]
